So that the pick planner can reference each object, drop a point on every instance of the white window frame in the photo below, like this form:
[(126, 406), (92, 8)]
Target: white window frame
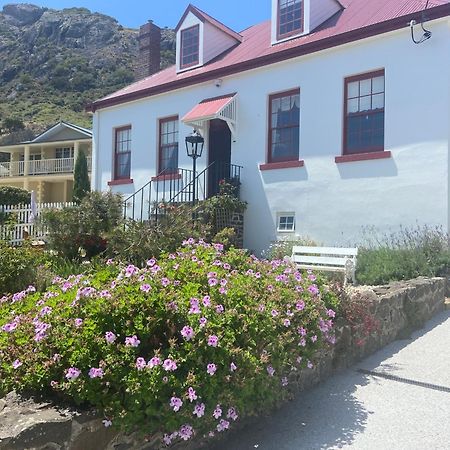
[(285, 215)]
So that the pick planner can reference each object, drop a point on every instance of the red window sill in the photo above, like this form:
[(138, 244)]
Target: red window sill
[(362, 157), (119, 182), (168, 176), (281, 165)]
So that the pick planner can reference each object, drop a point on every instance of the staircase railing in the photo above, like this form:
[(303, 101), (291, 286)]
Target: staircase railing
[(169, 187)]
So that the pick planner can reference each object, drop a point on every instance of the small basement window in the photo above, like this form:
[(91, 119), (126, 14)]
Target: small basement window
[(286, 222)]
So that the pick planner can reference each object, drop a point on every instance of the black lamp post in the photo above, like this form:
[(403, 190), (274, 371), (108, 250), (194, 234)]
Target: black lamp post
[(194, 149)]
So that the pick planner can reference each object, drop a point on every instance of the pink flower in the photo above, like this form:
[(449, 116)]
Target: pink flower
[(199, 410), (286, 323), (314, 338), (222, 290), (176, 403), (9, 327), (45, 310), (206, 301), (141, 364), (186, 432), (331, 313), (270, 371), (217, 412), (110, 337), (187, 333), (107, 423), (16, 364), (109, 262), (132, 341), (78, 322), (212, 281), (155, 361), (300, 305), (233, 367), (312, 277), (284, 382), (310, 365), (195, 308), (169, 365), (145, 288), (299, 359), (151, 262), (274, 313), (211, 369), (302, 342), (96, 372), (191, 394), (302, 331), (223, 425), (261, 308), (72, 373), (213, 340), (219, 309), (232, 414), (313, 289), (203, 321), (165, 282)]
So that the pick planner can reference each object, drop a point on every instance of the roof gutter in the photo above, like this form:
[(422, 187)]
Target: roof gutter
[(313, 47)]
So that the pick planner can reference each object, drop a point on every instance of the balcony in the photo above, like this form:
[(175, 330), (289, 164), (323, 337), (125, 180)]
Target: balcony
[(40, 167)]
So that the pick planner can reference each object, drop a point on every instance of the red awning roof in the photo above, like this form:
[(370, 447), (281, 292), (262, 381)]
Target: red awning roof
[(209, 108)]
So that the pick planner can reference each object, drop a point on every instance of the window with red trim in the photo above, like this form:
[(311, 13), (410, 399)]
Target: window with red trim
[(122, 153), (364, 113), (168, 145), (284, 126), (290, 17), (190, 46)]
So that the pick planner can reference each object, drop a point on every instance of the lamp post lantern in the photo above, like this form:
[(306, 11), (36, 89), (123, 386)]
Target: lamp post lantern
[(194, 149)]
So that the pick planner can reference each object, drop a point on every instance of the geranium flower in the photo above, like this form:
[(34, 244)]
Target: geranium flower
[(203, 321), (176, 403), (270, 371), (284, 382), (217, 412), (211, 369), (233, 367), (145, 288), (187, 332), (155, 361), (191, 394), (286, 323), (300, 305), (232, 414), (110, 337), (140, 363), (96, 372), (78, 322), (107, 423), (186, 432), (195, 308), (223, 425), (220, 309), (199, 410), (72, 373), (16, 364), (331, 313), (132, 341), (213, 340), (169, 365)]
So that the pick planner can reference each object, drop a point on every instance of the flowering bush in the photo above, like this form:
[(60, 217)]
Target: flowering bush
[(186, 345)]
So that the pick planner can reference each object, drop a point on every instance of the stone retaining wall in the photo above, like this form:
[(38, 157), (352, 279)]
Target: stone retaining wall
[(399, 308)]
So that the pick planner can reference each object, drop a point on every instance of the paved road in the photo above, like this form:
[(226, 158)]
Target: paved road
[(361, 412)]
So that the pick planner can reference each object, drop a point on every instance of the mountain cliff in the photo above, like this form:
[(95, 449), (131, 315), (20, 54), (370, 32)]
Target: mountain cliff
[(54, 62)]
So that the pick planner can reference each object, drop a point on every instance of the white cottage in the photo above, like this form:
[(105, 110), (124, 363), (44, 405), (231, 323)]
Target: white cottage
[(334, 114)]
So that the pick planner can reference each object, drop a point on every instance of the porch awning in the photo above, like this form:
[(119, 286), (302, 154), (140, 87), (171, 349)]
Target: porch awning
[(223, 107)]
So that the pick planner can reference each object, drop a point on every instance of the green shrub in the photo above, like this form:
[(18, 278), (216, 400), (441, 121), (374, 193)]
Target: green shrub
[(402, 255), (81, 183), (85, 226), (10, 195), (201, 332), (19, 267)]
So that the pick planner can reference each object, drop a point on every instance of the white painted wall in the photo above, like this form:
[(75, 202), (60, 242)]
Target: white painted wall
[(332, 202)]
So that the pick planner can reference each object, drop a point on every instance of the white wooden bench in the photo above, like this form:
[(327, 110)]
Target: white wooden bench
[(332, 259)]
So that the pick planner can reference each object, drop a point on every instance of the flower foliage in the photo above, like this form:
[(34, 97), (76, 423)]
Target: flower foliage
[(186, 345)]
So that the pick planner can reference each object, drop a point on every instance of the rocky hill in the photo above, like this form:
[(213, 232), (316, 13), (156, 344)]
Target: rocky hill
[(54, 62)]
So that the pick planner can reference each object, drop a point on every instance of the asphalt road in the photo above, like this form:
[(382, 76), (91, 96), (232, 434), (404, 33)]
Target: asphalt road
[(359, 411)]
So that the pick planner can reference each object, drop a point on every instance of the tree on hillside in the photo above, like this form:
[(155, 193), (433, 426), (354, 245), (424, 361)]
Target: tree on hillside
[(81, 183), (11, 124)]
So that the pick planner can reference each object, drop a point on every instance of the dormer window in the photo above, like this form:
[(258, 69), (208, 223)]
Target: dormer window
[(190, 47), (290, 18)]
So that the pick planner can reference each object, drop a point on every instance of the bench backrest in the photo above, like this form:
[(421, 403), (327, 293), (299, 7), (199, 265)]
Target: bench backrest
[(327, 256)]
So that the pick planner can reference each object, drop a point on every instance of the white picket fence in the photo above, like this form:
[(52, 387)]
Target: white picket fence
[(23, 221)]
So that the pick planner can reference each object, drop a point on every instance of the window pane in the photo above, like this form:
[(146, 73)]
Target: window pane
[(378, 84), (365, 87), (378, 101), (353, 89), (168, 153), (352, 105), (365, 103)]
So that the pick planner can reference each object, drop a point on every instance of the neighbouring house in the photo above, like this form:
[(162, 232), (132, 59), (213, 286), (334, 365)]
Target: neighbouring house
[(331, 115), (46, 163)]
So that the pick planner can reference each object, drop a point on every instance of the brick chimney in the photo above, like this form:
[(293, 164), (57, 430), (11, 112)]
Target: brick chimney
[(149, 59)]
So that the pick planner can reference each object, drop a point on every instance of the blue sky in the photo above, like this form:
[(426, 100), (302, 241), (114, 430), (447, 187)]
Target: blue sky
[(237, 14)]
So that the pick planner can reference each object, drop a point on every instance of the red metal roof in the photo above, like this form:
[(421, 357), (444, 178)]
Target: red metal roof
[(208, 108), (359, 19)]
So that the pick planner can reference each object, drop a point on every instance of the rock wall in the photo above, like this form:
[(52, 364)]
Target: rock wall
[(399, 308)]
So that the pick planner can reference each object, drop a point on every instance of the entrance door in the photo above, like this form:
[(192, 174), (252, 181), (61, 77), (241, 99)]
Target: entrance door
[(219, 154)]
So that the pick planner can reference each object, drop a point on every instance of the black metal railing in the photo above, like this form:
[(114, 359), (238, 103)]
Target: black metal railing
[(169, 187)]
